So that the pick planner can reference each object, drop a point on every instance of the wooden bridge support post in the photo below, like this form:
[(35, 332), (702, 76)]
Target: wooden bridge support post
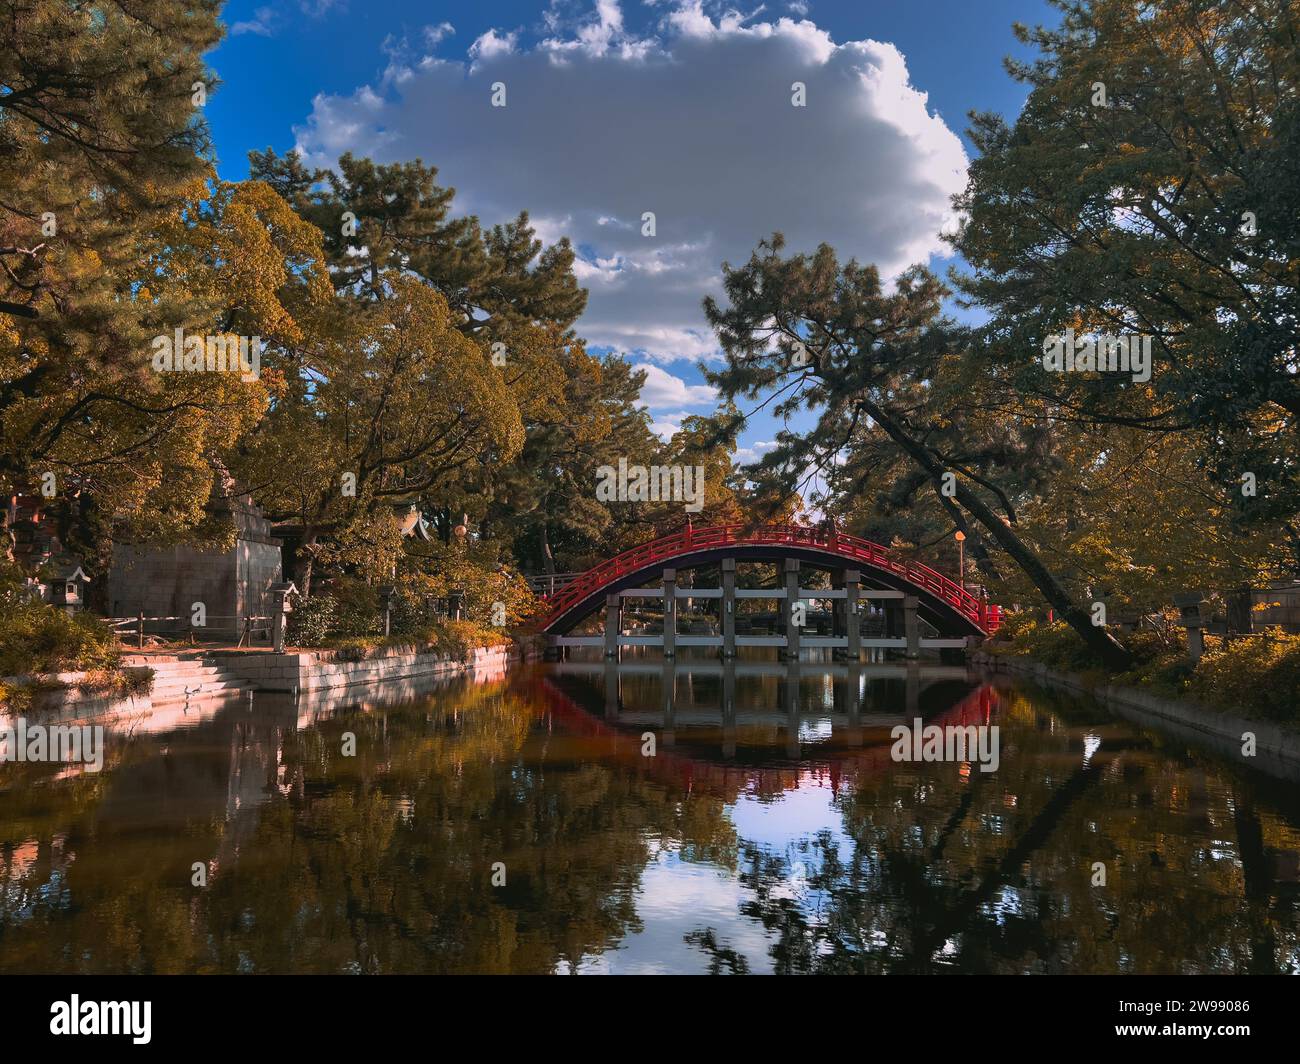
[(790, 696), (912, 625), (848, 616), (670, 613), (728, 608), (847, 697), (792, 630), (613, 624), (854, 682)]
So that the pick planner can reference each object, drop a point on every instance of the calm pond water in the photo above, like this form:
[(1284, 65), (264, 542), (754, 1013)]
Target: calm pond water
[(770, 831)]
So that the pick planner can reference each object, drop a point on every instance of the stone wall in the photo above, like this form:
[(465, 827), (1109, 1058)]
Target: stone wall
[(1277, 745), (167, 581), (313, 670)]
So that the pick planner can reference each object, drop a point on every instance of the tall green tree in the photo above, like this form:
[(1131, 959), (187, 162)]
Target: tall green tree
[(545, 503), (381, 405), (379, 220), (806, 332), (100, 140), (1151, 184)]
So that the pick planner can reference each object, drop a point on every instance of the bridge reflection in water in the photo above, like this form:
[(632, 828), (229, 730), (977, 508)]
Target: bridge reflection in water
[(768, 710)]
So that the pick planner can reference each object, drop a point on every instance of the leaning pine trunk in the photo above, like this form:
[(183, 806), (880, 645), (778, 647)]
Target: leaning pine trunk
[(548, 558), (1107, 648)]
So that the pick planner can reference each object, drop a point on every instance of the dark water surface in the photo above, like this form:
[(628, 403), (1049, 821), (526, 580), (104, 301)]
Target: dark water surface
[(771, 831)]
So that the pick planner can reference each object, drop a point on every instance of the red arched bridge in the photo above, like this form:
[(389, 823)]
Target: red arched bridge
[(918, 607)]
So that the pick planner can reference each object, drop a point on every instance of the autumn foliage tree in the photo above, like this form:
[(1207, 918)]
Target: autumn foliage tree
[(812, 333), (1151, 184)]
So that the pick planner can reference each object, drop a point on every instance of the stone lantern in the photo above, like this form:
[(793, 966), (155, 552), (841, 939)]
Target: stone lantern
[(281, 606), (1191, 608), (387, 595)]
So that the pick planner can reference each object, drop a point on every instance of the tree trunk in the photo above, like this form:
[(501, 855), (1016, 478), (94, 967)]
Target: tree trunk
[(1111, 652), (548, 558), (302, 563)]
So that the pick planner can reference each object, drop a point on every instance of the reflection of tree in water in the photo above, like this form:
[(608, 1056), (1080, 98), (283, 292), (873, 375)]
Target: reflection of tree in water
[(383, 861), (993, 873), (403, 839), (378, 862), (722, 959)]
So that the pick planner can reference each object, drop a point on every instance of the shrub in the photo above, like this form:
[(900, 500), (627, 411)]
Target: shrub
[(458, 638), (453, 638), (1254, 675), (360, 611), (35, 637), (1054, 644), (355, 647), (311, 621), (413, 612)]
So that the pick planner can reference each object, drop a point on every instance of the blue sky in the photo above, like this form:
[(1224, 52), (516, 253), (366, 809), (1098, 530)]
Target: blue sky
[(679, 107)]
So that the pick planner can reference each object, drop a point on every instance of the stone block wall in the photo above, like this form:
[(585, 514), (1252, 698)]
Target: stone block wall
[(317, 670), (167, 581)]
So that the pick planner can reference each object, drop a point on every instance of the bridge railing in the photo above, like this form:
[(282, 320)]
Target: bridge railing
[(690, 540), (545, 584)]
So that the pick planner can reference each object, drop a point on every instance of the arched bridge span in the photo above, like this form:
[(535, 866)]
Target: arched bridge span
[(865, 571)]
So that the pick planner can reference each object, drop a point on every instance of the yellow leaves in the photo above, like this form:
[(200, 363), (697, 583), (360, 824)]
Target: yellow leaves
[(9, 335), (433, 377), (1140, 520), (371, 543), (535, 370), (79, 262), (239, 252)]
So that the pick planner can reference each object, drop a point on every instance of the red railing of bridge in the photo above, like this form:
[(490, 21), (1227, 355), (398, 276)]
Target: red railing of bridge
[(852, 548)]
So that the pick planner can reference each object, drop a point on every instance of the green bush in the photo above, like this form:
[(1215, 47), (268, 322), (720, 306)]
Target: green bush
[(311, 621), (355, 647), (349, 608), (1254, 676), (349, 618), (1054, 644), (35, 637), (1257, 675), (453, 638), (458, 638), (360, 611)]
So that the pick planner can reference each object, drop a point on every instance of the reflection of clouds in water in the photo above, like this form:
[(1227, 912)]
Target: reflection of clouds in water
[(780, 825), (795, 885), (676, 898)]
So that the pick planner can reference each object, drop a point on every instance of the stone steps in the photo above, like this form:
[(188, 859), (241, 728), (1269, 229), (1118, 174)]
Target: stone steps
[(176, 680)]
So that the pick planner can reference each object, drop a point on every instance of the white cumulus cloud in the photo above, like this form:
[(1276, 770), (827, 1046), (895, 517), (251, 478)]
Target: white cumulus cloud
[(662, 390), (691, 121)]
